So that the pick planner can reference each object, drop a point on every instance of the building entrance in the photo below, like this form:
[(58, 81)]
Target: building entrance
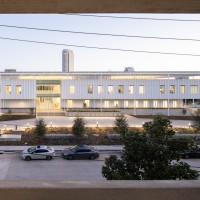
[(48, 103), (48, 95)]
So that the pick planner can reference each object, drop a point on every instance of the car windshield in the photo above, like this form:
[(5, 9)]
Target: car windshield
[(74, 148), (31, 149), (49, 148)]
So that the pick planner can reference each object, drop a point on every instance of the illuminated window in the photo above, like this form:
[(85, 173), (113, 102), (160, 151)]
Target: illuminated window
[(18, 89), (182, 89), (116, 104), (48, 89), (100, 89), (155, 103), (71, 89), (194, 89), (145, 104), (121, 89), (136, 104), (110, 89), (141, 89), (162, 89), (130, 89), (90, 89), (106, 104), (87, 103), (8, 89), (164, 104), (70, 103), (174, 104), (125, 104), (172, 89)]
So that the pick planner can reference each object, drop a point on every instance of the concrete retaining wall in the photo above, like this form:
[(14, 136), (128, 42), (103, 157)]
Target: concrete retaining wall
[(100, 190)]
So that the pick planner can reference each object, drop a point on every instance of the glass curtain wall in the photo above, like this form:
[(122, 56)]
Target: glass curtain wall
[(48, 94)]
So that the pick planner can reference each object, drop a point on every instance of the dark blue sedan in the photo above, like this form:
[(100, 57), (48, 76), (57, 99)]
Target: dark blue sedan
[(194, 153), (80, 152)]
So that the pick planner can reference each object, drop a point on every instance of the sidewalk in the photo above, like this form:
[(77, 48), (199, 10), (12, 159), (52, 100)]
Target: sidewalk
[(61, 147)]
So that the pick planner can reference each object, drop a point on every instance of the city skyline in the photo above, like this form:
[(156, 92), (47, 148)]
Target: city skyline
[(141, 53)]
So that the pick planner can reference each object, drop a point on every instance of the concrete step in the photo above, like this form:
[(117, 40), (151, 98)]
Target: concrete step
[(50, 113)]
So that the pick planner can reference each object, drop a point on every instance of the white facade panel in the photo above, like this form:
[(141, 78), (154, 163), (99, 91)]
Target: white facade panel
[(17, 103), (149, 90), (28, 88)]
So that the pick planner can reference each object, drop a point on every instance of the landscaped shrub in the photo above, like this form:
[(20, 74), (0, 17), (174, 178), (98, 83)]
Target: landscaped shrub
[(40, 127)]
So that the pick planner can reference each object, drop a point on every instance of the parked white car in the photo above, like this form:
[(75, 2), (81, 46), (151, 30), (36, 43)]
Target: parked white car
[(38, 152)]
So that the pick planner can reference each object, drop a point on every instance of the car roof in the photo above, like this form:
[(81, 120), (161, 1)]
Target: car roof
[(83, 147), (41, 147)]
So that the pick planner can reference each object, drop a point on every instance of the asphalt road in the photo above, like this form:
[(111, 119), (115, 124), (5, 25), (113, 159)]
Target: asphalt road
[(12, 167)]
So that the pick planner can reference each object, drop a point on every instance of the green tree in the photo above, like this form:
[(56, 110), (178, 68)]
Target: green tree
[(40, 127), (149, 156), (78, 128), (160, 128), (196, 120), (121, 126)]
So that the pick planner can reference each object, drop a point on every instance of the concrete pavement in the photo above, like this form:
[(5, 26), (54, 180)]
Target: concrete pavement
[(61, 147)]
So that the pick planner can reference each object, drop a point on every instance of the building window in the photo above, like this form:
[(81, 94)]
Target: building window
[(100, 89), (174, 104), (164, 104), (121, 89), (155, 103), (18, 89), (194, 89), (182, 89), (8, 89), (71, 89), (70, 103), (141, 89), (172, 89), (130, 89), (106, 104), (87, 103), (90, 89), (162, 89), (145, 104), (136, 104), (110, 89), (48, 89), (116, 104), (125, 104)]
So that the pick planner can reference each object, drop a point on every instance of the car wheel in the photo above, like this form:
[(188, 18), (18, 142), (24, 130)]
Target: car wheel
[(70, 157), (28, 158), (49, 157), (92, 157), (187, 156)]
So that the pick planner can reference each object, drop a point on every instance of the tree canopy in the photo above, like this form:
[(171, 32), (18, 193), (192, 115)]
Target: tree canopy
[(40, 127), (152, 155), (78, 128), (196, 120), (121, 126)]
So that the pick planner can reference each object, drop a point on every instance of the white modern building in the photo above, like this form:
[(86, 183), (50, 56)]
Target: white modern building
[(67, 60), (129, 92)]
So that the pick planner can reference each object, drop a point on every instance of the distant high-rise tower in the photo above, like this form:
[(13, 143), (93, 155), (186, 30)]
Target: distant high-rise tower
[(67, 60)]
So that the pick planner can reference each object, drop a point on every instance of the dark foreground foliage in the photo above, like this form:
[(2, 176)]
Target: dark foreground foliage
[(153, 155)]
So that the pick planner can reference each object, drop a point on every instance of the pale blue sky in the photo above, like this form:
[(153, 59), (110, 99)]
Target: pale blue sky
[(40, 57)]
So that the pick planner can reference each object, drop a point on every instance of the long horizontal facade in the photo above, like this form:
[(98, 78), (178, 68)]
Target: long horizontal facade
[(129, 92)]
